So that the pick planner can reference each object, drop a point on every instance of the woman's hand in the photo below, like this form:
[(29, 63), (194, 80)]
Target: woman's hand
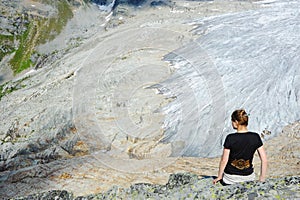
[(216, 180)]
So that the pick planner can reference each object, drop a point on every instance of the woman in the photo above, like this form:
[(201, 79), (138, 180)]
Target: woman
[(239, 148)]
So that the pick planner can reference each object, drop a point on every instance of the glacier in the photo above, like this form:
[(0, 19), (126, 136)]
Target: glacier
[(244, 60)]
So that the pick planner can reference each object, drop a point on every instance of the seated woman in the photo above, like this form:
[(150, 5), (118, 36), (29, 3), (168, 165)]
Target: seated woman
[(239, 148)]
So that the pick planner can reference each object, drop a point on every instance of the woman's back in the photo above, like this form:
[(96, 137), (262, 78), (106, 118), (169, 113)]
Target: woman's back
[(242, 148)]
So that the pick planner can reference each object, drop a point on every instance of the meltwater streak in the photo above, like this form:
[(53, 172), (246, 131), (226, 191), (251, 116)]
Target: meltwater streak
[(257, 55)]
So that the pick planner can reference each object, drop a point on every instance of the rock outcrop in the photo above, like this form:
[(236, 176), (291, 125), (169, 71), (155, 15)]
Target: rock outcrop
[(189, 186)]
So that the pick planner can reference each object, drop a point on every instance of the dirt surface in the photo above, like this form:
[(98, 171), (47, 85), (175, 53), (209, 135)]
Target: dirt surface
[(283, 160)]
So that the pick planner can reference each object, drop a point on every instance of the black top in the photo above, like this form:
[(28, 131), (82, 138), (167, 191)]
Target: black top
[(242, 148)]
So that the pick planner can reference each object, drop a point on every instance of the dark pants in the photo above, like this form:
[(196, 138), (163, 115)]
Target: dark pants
[(223, 183)]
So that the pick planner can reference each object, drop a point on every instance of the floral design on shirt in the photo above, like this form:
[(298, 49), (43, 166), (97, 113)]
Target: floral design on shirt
[(241, 164)]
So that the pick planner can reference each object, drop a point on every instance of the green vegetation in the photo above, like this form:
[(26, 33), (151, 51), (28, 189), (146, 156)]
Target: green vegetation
[(1, 91), (4, 90), (50, 28), (278, 197), (39, 31), (7, 45), (8, 38), (21, 59)]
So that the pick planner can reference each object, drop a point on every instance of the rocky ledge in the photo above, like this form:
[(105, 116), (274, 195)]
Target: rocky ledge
[(189, 186)]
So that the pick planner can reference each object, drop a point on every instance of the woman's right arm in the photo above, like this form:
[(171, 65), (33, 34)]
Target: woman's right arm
[(264, 163), (222, 165)]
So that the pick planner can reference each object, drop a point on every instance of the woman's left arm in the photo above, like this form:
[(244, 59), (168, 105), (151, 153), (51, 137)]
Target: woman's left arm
[(222, 165), (264, 163)]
